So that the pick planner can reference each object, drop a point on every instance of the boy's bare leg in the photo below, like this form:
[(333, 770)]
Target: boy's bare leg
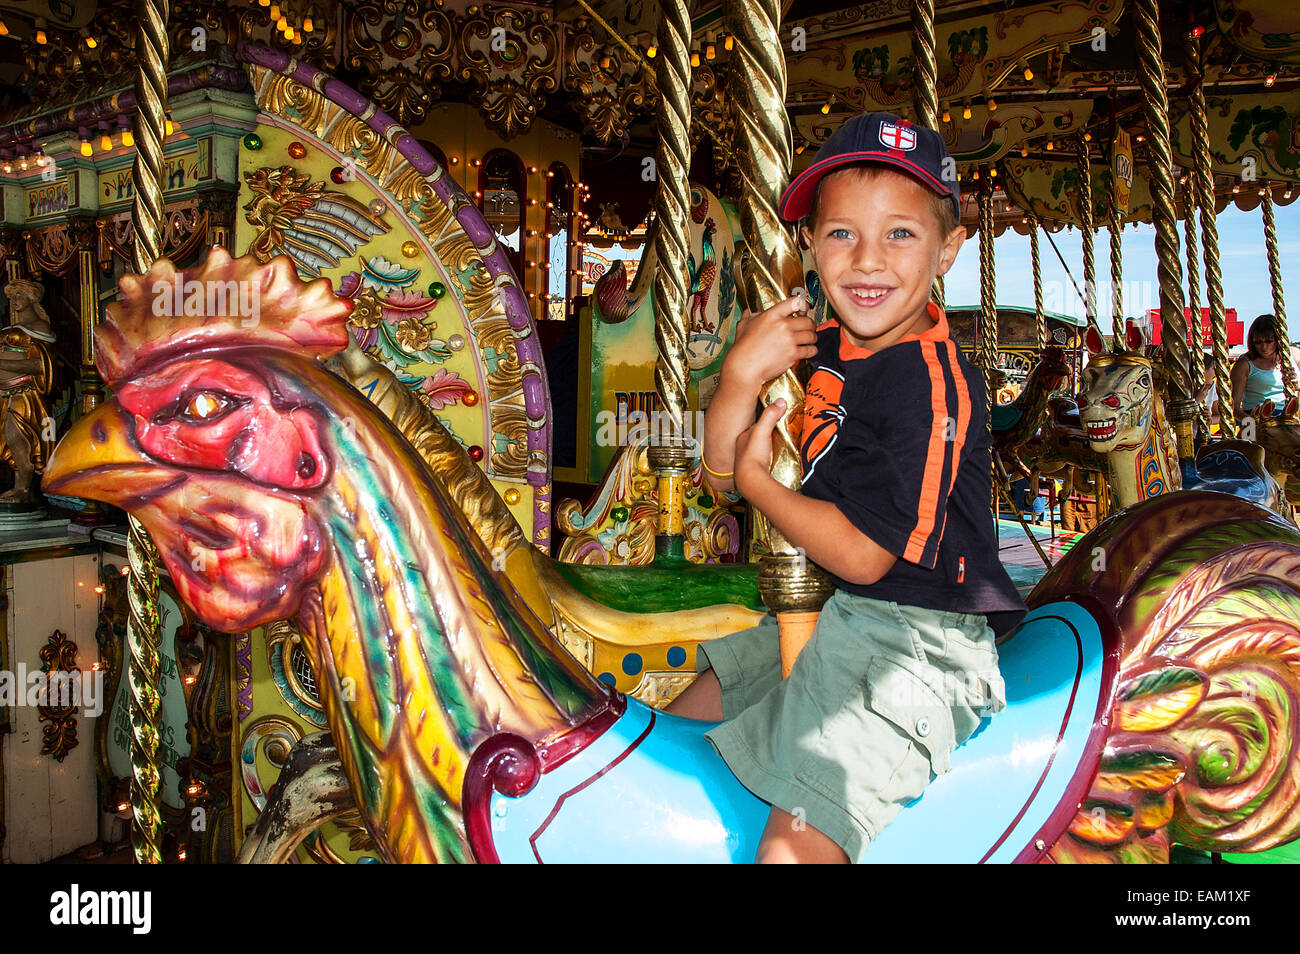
[(701, 700), (792, 841)]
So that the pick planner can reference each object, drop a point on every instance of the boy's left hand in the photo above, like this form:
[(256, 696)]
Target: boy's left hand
[(754, 448)]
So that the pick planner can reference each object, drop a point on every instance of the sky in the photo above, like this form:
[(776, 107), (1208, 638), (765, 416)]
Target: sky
[(1241, 254)]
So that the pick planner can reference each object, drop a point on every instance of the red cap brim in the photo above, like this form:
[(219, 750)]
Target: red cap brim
[(797, 198)]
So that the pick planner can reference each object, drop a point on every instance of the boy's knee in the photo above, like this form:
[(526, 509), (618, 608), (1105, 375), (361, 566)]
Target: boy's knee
[(701, 700)]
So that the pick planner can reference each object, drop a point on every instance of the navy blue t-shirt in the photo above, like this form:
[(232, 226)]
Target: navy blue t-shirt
[(898, 440)]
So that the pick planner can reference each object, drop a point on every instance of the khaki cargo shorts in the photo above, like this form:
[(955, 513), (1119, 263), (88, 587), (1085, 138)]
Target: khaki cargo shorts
[(875, 704)]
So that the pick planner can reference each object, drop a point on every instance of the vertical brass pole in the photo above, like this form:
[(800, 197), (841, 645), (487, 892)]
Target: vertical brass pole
[(1202, 177), (1115, 225), (1040, 317), (925, 86), (152, 53), (988, 325), (672, 205), (1196, 356), (1151, 77), (791, 586), (1086, 227)]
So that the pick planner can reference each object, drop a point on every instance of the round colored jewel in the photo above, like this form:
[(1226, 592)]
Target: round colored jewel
[(470, 398), (410, 249), (619, 514), (437, 289), (456, 342), (253, 141), (377, 207), (705, 501), (336, 175), (476, 453), (512, 496), (297, 150)]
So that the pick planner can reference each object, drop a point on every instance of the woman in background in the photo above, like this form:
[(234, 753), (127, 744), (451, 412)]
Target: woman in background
[(1258, 374)]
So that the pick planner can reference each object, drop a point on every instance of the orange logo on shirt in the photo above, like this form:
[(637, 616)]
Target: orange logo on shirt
[(822, 415)]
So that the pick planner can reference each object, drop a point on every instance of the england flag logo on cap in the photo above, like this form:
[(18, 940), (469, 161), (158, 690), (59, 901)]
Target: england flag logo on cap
[(897, 137)]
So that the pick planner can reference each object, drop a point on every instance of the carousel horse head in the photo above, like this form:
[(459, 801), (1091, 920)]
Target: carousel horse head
[(1117, 395)]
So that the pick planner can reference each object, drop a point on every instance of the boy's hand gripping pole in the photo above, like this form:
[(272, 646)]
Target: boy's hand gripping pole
[(792, 586)]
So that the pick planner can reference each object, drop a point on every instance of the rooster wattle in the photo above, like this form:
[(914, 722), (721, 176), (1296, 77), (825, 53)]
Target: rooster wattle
[(274, 488)]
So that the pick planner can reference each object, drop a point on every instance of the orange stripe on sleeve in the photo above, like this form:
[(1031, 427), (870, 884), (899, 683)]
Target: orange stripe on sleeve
[(963, 410), (927, 507)]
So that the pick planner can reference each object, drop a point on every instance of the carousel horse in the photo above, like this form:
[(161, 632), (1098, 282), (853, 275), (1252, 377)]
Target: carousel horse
[(1123, 414), (1279, 435), (1016, 423), (464, 729)]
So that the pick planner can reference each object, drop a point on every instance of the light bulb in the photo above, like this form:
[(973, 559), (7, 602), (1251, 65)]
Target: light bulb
[(1024, 151), (729, 42), (1029, 74), (826, 108), (170, 127), (965, 113), (1049, 147), (91, 42), (275, 11), (22, 164), (128, 137), (4, 30), (106, 142), (7, 167), (710, 52), (41, 38), (695, 59), (946, 117), (1270, 79), (651, 51), (993, 106), (307, 26), (85, 148)]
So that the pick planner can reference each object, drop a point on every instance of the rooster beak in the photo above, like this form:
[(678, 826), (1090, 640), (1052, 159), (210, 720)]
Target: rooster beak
[(98, 460)]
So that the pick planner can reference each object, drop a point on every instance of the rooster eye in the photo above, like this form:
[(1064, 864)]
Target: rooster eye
[(202, 407)]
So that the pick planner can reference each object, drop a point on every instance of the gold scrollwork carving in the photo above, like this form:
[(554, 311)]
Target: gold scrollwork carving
[(611, 84), (512, 59), (62, 687)]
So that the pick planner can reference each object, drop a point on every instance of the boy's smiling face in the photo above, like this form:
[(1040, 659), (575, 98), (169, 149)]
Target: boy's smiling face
[(878, 244)]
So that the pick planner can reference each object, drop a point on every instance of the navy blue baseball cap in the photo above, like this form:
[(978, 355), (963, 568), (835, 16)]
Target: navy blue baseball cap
[(878, 138)]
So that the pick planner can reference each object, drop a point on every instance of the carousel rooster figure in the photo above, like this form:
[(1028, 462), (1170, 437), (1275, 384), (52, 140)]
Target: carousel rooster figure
[(702, 278), (274, 488)]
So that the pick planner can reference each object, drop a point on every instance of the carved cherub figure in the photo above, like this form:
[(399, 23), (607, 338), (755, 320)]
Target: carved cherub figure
[(26, 372)]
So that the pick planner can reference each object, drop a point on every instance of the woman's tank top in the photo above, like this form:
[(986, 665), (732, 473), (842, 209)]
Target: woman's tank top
[(1262, 386)]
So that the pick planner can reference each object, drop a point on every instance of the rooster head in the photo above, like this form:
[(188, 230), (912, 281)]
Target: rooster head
[(212, 440)]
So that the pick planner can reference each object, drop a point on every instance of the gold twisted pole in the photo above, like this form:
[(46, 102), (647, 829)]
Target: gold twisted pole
[(672, 205), (1169, 268), (1197, 362), (1086, 227), (988, 331), (152, 53), (1279, 306), (1040, 317), (1202, 177), (1182, 408), (793, 587), (986, 340), (1115, 225), (925, 86)]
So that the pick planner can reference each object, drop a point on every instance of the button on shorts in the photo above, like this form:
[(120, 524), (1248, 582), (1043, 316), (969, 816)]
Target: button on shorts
[(876, 703)]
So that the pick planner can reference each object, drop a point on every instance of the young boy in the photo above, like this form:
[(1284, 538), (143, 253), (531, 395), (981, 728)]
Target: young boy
[(895, 507)]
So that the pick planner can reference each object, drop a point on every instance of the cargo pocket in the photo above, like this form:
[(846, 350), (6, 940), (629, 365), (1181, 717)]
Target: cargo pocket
[(899, 695)]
